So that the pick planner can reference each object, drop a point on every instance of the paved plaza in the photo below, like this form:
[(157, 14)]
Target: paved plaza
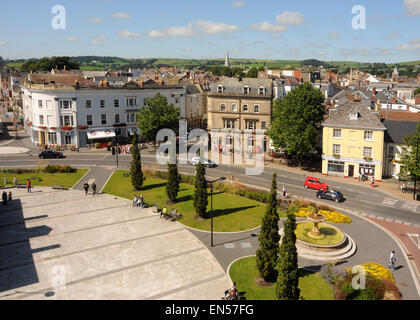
[(99, 248)]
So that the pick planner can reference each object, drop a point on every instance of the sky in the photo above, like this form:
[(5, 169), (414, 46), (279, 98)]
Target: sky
[(266, 29)]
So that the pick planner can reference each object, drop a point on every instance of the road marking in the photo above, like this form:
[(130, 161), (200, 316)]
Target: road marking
[(389, 220), (246, 245), (410, 206), (229, 246), (389, 202), (380, 218), (413, 236)]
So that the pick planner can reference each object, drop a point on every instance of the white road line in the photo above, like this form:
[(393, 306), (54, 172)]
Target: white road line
[(246, 245), (229, 246), (389, 202)]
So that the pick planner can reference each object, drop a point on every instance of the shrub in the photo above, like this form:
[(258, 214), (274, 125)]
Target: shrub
[(60, 169), (378, 271)]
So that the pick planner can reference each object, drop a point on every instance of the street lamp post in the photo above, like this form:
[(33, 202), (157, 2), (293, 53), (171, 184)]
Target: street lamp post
[(211, 203), (415, 174)]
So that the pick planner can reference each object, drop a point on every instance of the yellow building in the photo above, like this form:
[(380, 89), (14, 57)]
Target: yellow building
[(353, 142)]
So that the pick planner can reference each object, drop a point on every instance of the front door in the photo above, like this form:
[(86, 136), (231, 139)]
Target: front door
[(351, 171)]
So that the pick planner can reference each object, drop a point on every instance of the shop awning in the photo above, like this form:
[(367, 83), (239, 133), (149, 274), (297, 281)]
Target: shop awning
[(100, 134)]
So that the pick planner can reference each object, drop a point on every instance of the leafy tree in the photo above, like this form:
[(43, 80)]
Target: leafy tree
[(172, 185), (410, 167), (252, 73), (417, 91), (287, 286), (155, 115), (200, 191), (226, 71), (296, 120), (137, 177), (269, 238)]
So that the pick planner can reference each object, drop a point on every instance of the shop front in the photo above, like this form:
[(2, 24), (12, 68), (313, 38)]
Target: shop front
[(103, 137)]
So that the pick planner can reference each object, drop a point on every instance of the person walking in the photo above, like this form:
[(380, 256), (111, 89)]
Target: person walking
[(4, 198), (360, 175), (392, 260), (28, 185), (135, 200), (141, 201), (15, 181), (372, 182), (86, 187), (94, 188), (10, 196), (284, 191)]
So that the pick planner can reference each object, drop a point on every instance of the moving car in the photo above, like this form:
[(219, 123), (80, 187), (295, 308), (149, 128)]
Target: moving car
[(206, 162), (315, 183), (50, 154), (330, 195)]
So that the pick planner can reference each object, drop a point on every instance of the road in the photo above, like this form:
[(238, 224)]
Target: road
[(358, 198)]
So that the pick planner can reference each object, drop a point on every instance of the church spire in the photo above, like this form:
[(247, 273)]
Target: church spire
[(227, 60)]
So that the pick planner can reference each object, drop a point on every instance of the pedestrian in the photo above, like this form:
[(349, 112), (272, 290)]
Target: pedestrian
[(392, 260), (94, 188), (86, 187), (141, 201), (135, 200), (4, 197), (10, 196), (372, 182), (284, 191), (28, 185), (5, 181), (163, 212), (360, 175), (15, 181)]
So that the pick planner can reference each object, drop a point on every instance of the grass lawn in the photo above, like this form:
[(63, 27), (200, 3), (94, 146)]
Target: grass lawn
[(231, 213), (67, 180), (329, 236), (244, 272)]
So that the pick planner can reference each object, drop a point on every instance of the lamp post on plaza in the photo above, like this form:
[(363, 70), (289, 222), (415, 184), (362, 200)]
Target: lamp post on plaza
[(211, 203)]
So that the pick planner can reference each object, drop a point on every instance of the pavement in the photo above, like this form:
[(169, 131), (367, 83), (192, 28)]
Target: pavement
[(58, 245)]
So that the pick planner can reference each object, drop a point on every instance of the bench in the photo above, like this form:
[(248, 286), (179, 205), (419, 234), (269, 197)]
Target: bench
[(59, 188)]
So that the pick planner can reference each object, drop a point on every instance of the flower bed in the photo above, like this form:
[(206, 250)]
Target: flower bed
[(331, 216), (378, 271)]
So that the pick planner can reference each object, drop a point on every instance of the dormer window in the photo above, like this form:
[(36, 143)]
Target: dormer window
[(220, 88), (353, 115), (261, 90), (246, 90)]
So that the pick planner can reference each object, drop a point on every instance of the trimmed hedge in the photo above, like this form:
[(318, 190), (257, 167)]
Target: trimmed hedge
[(47, 169)]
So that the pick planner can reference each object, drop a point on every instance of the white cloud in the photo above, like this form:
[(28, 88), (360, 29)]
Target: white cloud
[(284, 21), (238, 4), (121, 15), (72, 39), (413, 45), (3, 43), (413, 7), (268, 27), (95, 20), (276, 35), (392, 35), (128, 34), (194, 29), (98, 40), (334, 35), (188, 49), (288, 18)]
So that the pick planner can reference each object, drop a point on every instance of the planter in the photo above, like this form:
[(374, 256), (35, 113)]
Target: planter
[(66, 128), (83, 127)]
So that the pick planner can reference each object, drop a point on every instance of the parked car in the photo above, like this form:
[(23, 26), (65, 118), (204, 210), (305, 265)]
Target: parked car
[(50, 154), (330, 195), (315, 183), (206, 162)]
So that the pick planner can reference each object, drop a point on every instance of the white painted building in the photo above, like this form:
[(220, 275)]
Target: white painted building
[(67, 116)]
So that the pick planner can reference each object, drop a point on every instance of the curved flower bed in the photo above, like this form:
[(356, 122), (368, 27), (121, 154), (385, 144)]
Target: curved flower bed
[(378, 271), (331, 216)]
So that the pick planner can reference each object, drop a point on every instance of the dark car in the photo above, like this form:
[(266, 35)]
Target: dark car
[(50, 154), (330, 195)]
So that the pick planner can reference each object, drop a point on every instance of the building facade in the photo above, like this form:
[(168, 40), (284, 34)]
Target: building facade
[(353, 142)]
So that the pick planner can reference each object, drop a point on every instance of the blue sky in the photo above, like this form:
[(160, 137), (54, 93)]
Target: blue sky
[(264, 29)]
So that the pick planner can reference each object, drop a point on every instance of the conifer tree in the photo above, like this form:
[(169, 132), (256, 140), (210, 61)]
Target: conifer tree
[(287, 286), (269, 238), (137, 177), (172, 185), (200, 192)]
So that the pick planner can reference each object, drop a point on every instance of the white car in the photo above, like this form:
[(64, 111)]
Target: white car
[(206, 162)]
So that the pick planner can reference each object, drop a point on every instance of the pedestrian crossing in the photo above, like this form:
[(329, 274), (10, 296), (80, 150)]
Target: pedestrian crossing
[(244, 245), (393, 203)]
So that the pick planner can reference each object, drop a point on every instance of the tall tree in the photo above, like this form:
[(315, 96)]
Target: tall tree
[(156, 114), (287, 286), (137, 177), (252, 73), (417, 91), (296, 120), (172, 185), (269, 238), (200, 191), (409, 155)]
